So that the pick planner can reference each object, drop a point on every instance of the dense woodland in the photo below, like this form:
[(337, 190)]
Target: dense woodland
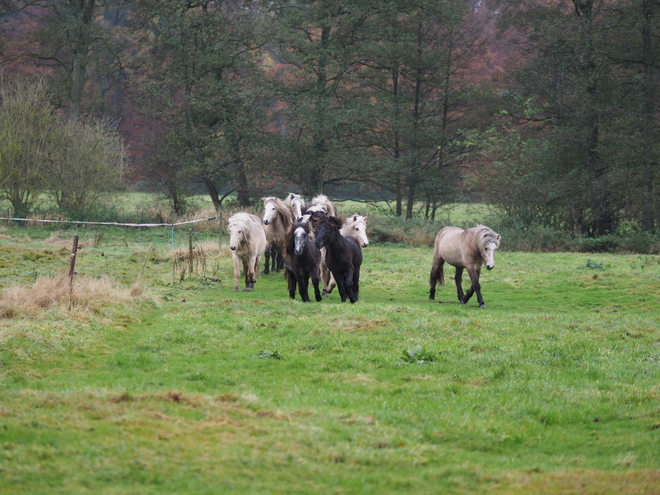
[(546, 109)]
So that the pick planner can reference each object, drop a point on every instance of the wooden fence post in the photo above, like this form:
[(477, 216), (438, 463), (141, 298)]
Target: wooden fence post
[(72, 267)]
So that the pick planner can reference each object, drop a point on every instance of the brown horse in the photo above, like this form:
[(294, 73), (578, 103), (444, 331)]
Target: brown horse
[(466, 250), (247, 242)]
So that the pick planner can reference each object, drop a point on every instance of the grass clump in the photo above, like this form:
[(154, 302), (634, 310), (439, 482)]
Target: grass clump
[(88, 296)]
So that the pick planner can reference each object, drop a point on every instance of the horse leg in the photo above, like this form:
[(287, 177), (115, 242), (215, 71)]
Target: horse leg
[(315, 283), (273, 258), (326, 276), (437, 276), (237, 272), (279, 260), (348, 286), (249, 276), (356, 283), (267, 256), (332, 283), (291, 283), (341, 288), (252, 272), (458, 278), (303, 288), (476, 287)]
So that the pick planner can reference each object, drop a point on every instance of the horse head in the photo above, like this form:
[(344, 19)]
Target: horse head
[(296, 203), (300, 234), (237, 234), (356, 226), (270, 209), (326, 230), (490, 244)]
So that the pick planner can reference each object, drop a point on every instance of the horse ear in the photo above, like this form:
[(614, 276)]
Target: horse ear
[(355, 218), (499, 237)]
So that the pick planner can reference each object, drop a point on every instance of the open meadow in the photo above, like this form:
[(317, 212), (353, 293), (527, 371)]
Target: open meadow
[(153, 376)]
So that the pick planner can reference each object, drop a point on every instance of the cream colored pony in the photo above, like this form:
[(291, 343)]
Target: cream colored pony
[(247, 241)]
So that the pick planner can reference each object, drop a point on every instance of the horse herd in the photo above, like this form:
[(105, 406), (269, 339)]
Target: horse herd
[(309, 241)]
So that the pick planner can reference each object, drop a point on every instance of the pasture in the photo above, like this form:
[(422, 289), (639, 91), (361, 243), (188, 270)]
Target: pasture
[(163, 383)]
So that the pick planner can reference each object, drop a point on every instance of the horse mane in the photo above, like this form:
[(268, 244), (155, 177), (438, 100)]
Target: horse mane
[(485, 235), (291, 196), (322, 200), (244, 221), (318, 218)]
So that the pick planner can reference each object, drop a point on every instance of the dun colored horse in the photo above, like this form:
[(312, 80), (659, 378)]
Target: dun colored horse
[(466, 250), (277, 219), (247, 243), (301, 259), (343, 255)]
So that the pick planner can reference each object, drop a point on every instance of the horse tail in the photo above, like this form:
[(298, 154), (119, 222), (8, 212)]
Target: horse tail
[(437, 272), (437, 275)]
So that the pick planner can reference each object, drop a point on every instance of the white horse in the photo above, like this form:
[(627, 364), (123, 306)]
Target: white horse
[(297, 203), (247, 241)]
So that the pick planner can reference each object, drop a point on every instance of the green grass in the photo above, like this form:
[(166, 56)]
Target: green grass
[(196, 389)]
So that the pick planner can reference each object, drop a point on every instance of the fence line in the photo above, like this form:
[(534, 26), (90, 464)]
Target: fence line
[(117, 224), (114, 224)]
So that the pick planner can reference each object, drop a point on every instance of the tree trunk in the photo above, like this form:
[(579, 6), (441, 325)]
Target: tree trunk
[(81, 36), (648, 111)]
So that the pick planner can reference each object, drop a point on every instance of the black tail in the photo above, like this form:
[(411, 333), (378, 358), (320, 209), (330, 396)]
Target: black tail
[(437, 276)]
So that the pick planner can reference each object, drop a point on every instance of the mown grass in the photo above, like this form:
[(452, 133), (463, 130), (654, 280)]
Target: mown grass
[(189, 387)]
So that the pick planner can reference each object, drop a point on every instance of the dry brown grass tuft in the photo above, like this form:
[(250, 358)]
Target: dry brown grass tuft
[(89, 295)]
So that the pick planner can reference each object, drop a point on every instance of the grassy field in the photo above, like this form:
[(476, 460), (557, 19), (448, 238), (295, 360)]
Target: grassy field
[(150, 379)]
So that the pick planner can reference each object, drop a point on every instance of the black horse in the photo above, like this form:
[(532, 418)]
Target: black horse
[(343, 255), (301, 260)]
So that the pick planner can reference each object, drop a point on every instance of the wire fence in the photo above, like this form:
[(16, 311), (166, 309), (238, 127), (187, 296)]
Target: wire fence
[(111, 255)]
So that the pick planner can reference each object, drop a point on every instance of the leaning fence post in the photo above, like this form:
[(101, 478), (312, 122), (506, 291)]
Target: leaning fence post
[(72, 267), (190, 251)]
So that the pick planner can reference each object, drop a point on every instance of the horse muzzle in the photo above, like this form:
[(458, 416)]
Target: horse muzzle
[(233, 248), (490, 267), (266, 222)]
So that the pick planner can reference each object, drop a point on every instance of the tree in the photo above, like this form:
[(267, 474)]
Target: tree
[(207, 86), (88, 161), (319, 43), (573, 102), (74, 42), (27, 131), (415, 71)]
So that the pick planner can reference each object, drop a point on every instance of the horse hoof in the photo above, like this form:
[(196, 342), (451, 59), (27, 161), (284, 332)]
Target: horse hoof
[(482, 306), (247, 289), (319, 298)]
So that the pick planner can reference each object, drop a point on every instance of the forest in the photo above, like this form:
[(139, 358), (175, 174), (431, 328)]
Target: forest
[(544, 109)]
